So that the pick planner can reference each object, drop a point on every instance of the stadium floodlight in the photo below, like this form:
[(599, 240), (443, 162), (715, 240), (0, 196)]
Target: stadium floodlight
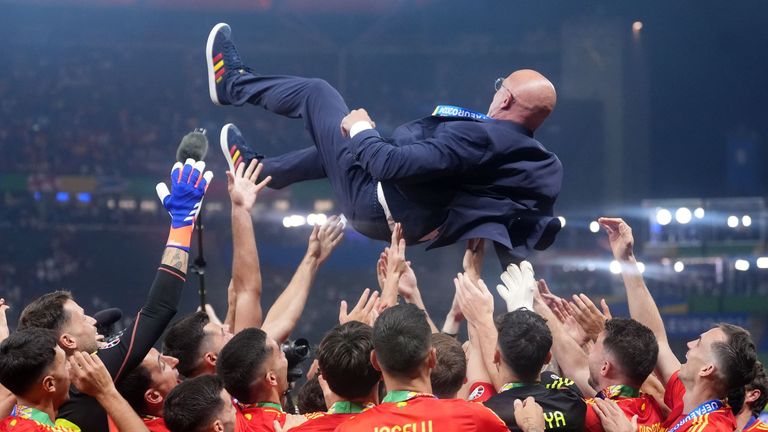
[(699, 213), (746, 220), (615, 267), (594, 226), (663, 216), (733, 221), (741, 265), (562, 221), (679, 267), (762, 263), (683, 215), (640, 267)]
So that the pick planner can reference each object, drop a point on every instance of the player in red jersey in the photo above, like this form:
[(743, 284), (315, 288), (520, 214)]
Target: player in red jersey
[(254, 371), (720, 360), (200, 404), (755, 398), (405, 357), (349, 381), (35, 369)]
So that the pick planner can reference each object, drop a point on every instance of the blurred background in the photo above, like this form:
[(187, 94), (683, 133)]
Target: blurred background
[(660, 120)]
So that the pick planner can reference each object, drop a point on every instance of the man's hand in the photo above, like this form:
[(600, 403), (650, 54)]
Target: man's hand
[(324, 239), (365, 310), (620, 237), (242, 185), (529, 415), (396, 266), (183, 200), (89, 374), (353, 117), (612, 417), (473, 259), (518, 287), (587, 315), (475, 301)]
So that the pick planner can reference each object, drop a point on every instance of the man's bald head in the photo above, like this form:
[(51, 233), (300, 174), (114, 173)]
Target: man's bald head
[(526, 97)]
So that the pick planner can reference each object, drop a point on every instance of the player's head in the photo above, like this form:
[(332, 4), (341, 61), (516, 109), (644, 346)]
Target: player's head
[(524, 343), (344, 360), (525, 97), (310, 398), (57, 311), (625, 351), (199, 404), (450, 372), (756, 392), (34, 367), (722, 358), (253, 367), (402, 343), (147, 386), (196, 342)]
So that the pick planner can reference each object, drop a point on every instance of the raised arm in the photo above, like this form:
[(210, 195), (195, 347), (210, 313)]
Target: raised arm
[(642, 307), (246, 273), (286, 311)]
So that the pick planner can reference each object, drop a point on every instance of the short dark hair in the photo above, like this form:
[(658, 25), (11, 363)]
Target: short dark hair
[(344, 358), (451, 369), (132, 387), (240, 360), (402, 339), (310, 398), (634, 347), (46, 311), (184, 341), (524, 343), (736, 357), (760, 382), (25, 357), (194, 404)]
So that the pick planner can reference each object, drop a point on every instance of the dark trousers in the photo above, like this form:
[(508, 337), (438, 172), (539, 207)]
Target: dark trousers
[(322, 109)]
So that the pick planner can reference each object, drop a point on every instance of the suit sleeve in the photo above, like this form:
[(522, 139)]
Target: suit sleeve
[(452, 150), (149, 324)]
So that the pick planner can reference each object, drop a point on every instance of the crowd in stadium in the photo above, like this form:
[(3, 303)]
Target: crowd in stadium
[(549, 363)]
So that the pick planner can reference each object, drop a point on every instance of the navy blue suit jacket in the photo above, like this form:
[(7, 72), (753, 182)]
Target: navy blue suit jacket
[(469, 179)]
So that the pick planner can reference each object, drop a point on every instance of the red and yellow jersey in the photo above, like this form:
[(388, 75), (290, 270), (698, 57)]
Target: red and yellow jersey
[(649, 415), (481, 392), (20, 424), (322, 422), (155, 424), (258, 417), (755, 425), (415, 412), (709, 417)]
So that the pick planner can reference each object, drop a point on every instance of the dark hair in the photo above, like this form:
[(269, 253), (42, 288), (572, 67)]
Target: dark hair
[(193, 404), (634, 347), (402, 339), (524, 342), (736, 357), (184, 341), (25, 356), (46, 311), (240, 360), (344, 358), (310, 398), (448, 375), (760, 382), (132, 387)]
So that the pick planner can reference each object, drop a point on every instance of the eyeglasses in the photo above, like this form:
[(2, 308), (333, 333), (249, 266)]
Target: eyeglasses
[(500, 84)]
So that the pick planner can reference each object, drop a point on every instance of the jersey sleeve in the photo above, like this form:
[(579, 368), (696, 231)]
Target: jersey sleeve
[(673, 395), (553, 381), (487, 420), (481, 392)]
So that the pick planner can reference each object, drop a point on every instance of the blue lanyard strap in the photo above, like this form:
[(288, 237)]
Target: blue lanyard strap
[(452, 111), (703, 409)]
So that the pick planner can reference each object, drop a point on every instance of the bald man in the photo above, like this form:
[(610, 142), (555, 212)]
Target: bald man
[(454, 175)]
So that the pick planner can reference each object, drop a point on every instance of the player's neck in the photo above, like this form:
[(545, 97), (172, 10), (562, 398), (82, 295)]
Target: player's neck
[(615, 381), (420, 384), (743, 417), (45, 405), (699, 393), (508, 376), (269, 396)]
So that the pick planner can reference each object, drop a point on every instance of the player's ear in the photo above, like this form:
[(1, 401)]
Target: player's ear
[(432, 358), (375, 361), (496, 357), (548, 358)]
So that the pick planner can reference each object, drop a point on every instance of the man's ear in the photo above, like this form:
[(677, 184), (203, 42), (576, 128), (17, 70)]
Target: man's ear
[(375, 361), (606, 368), (67, 342), (210, 358), (707, 370), (271, 378), (49, 384), (218, 426), (153, 397), (548, 358), (752, 395), (432, 358), (496, 357)]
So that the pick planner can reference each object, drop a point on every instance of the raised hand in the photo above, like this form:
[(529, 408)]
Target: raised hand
[(365, 311), (518, 287), (588, 316), (89, 374), (324, 239), (474, 299), (242, 185), (473, 258), (396, 267), (613, 418), (620, 237), (183, 200), (353, 117)]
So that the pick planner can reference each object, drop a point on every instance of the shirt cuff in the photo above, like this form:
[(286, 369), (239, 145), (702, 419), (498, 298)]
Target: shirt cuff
[(359, 127)]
